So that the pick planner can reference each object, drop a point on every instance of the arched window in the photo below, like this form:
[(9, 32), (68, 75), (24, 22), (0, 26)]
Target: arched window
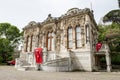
[(78, 36), (70, 38), (50, 41)]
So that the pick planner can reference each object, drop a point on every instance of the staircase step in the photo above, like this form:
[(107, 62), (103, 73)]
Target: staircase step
[(31, 68), (24, 68), (21, 69)]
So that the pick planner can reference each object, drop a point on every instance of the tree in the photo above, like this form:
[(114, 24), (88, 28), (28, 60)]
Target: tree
[(112, 16), (111, 34), (10, 37), (119, 3)]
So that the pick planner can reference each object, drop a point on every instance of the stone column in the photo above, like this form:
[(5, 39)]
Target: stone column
[(65, 39), (82, 37), (43, 39), (62, 38), (108, 59), (89, 37), (70, 66), (36, 40), (33, 44), (24, 45), (108, 62), (58, 43), (63, 44), (44, 55)]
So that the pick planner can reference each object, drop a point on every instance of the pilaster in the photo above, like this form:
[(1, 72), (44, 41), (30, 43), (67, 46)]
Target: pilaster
[(108, 59)]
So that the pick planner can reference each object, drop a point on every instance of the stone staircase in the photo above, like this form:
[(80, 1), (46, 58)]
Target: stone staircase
[(57, 65)]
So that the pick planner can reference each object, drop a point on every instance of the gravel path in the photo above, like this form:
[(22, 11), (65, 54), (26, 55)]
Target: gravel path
[(10, 73)]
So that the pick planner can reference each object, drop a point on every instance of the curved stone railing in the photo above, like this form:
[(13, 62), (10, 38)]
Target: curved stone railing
[(57, 65)]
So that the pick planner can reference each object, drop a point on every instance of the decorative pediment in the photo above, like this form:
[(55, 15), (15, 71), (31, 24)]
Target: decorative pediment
[(75, 11), (72, 11)]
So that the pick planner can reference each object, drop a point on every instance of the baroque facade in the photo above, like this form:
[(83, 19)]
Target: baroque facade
[(68, 40)]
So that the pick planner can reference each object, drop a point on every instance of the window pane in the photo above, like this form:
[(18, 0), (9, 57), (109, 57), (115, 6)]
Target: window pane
[(70, 44), (52, 34), (49, 34), (78, 29), (70, 37), (70, 30), (87, 31), (78, 43), (78, 36)]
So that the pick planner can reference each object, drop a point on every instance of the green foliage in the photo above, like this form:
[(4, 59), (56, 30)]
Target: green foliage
[(3, 28), (115, 58), (9, 39), (5, 49), (111, 33), (1, 59), (11, 33), (101, 33), (102, 59)]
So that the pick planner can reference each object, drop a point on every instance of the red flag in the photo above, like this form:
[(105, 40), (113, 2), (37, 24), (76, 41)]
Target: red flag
[(38, 55), (98, 46)]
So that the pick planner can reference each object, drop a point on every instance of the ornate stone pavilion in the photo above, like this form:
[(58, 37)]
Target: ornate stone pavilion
[(68, 41)]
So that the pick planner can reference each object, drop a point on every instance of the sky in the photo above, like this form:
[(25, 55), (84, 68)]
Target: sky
[(21, 12)]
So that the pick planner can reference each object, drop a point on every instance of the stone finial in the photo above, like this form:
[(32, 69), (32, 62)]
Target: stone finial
[(49, 16)]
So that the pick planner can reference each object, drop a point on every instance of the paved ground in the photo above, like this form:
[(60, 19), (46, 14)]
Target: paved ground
[(10, 73)]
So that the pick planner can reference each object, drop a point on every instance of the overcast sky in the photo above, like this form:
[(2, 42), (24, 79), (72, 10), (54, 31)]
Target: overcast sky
[(21, 12)]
